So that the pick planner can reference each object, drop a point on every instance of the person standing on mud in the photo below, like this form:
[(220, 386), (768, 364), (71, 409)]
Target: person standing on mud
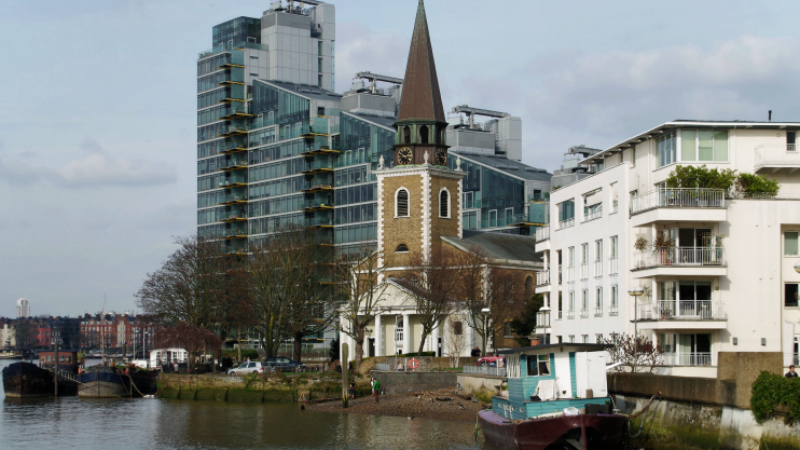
[(376, 386)]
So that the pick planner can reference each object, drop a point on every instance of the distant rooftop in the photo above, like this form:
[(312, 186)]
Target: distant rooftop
[(502, 164), (499, 246), (305, 90)]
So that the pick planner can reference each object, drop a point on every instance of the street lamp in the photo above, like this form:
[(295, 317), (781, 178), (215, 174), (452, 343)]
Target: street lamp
[(635, 292)]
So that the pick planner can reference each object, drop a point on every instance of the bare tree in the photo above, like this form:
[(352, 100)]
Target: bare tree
[(456, 339), (189, 337), (491, 295), (357, 283), (193, 285), (291, 288), (431, 280), (638, 354)]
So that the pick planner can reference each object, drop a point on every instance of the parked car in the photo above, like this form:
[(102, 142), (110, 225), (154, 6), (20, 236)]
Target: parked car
[(280, 364), (245, 368), (491, 361)]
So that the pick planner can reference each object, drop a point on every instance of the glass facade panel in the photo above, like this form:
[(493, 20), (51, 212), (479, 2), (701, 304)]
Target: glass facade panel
[(790, 243), (688, 145)]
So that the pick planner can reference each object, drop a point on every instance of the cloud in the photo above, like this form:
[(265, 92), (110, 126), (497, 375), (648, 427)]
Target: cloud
[(98, 169)]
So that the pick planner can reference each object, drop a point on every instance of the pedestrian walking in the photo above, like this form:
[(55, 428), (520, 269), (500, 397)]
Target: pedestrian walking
[(376, 386)]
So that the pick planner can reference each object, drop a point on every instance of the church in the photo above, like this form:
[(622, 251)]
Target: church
[(419, 217)]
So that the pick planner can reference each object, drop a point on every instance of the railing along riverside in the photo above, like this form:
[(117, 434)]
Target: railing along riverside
[(383, 367), (542, 234), (680, 256), (678, 198), (686, 359), (543, 278), (481, 370), (613, 266), (566, 223), (681, 310)]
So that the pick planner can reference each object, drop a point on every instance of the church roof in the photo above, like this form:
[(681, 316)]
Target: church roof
[(421, 99), (499, 246)]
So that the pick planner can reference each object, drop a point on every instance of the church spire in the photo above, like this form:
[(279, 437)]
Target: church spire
[(421, 99)]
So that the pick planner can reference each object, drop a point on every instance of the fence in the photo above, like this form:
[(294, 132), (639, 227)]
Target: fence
[(542, 234), (681, 310), (566, 223), (485, 370), (543, 278), (678, 197), (686, 359), (681, 256)]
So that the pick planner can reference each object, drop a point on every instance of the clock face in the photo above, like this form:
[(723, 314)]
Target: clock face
[(404, 156), (441, 157)]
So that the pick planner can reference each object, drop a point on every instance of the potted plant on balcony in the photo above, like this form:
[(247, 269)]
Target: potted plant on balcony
[(662, 244)]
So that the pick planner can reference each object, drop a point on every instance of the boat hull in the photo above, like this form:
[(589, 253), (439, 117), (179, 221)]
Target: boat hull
[(586, 431), (26, 380), (104, 384)]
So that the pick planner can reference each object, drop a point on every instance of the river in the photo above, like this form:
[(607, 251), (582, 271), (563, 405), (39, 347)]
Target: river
[(88, 424)]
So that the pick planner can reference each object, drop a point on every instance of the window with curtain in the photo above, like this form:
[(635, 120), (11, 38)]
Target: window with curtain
[(402, 203), (704, 145), (444, 204), (790, 243)]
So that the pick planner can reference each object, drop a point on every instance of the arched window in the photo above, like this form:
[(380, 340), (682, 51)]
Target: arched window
[(401, 203), (406, 135), (423, 134), (444, 203), (402, 248), (528, 287)]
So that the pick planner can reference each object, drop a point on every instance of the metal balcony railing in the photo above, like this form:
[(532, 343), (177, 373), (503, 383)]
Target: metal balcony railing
[(680, 256), (613, 310), (584, 313), (570, 273), (543, 278), (686, 359), (593, 214), (598, 268), (543, 319), (566, 223), (613, 266), (542, 234), (785, 155), (570, 314), (678, 198), (584, 271), (681, 310)]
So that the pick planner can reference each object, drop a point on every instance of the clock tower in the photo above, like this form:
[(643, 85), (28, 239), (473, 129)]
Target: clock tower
[(419, 199), (421, 123)]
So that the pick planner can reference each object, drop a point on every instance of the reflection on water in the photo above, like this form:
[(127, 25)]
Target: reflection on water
[(88, 424)]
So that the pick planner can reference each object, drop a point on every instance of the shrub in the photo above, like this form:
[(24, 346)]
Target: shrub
[(701, 177), (749, 184), (770, 391)]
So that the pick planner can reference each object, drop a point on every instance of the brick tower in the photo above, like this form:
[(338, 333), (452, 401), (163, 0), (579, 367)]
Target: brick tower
[(419, 199)]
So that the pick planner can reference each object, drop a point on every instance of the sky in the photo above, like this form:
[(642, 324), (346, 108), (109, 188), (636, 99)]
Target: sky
[(98, 109)]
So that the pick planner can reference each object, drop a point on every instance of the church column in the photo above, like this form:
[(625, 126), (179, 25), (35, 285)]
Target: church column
[(378, 336), (406, 334)]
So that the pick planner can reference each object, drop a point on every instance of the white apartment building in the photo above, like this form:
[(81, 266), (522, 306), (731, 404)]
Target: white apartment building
[(727, 283)]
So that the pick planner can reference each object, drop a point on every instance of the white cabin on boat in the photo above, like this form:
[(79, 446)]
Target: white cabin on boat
[(546, 379)]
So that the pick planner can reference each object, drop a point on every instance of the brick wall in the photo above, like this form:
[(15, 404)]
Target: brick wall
[(404, 382)]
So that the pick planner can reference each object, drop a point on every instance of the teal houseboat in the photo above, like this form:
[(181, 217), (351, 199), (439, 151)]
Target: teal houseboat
[(557, 396)]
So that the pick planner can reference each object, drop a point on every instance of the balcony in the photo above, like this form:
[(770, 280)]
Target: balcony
[(543, 319), (678, 205), (543, 278), (235, 234), (584, 271), (693, 261), (234, 164), (316, 206), (613, 266), (686, 359), (233, 130), (234, 216), (317, 167), (312, 150), (593, 215), (569, 223), (321, 223), (681, 314), (776, 157), (317, 186), (542, 234), (598, 310), (598, 268), (613, 310), (234, 199)]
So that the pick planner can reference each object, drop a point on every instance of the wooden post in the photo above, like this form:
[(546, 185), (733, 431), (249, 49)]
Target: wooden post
[(55, 373), (345, 373)]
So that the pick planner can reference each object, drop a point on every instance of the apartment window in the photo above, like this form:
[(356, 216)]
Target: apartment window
[(598, 302), (571, 338), (791, 141), (402, 203), (507, 331), (704, 145), (560, 304), (584, 300), (585, 338), (614, 299), (614, 247), (468, 199), (444, 204), (572, 301), (509, 216), (584, 254), (571, 257), (493, 218), (470, 220), (790, 247), (598, 338), (790, 298), (667, 147), (598, 250)]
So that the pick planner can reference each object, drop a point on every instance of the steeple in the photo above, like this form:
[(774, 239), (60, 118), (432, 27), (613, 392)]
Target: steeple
[(422, 99)]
